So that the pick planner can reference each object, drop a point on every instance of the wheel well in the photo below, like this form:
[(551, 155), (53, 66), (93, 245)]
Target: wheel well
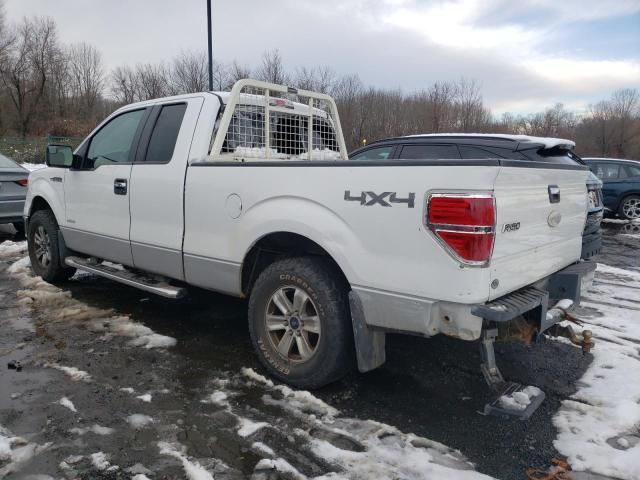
[(275, 246), (626, 195), (39, 203)]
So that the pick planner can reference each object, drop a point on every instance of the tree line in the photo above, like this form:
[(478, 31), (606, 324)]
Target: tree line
[(48, 87)]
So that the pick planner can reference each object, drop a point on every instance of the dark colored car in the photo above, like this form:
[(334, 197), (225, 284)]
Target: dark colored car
[(493, 146), (13, 192), (621, 189)]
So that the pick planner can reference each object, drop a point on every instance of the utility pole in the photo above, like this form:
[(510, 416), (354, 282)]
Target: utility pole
[(210, 44)]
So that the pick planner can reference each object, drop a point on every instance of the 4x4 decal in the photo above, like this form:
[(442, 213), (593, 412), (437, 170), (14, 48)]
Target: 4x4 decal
[(368, 199)]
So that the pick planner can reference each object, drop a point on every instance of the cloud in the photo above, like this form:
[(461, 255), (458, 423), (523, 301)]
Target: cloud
[(514, 49)]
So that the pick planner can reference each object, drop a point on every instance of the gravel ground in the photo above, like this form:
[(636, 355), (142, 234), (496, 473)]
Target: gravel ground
[(147, 408)]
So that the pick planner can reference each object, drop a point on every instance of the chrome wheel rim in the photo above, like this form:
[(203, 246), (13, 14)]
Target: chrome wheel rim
[(42, 246), (293, 324), (631, 208)]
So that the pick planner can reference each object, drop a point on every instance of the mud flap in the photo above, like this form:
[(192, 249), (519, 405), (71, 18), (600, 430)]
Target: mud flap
[(369, 342)]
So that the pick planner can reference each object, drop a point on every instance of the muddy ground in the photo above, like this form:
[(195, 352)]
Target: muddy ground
[(432, 388)]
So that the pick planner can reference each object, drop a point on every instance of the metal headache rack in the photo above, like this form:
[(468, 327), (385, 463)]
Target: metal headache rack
[(303, 125)]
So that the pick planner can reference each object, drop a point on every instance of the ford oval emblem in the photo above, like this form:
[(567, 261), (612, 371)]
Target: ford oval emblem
[(554, 218)]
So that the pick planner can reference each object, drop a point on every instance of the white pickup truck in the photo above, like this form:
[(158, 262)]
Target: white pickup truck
[(202, 190)]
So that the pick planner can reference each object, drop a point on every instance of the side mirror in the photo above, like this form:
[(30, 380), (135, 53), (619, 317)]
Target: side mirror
[(60, 156)]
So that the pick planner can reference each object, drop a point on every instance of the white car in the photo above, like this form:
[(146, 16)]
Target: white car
[(202, 190)]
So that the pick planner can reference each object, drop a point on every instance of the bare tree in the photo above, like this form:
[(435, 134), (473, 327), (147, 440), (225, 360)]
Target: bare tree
[(26, 67), (272, 69), (319, 79), (152, 80), (87, 76), (189, 73), (124, 85), (236, 72)]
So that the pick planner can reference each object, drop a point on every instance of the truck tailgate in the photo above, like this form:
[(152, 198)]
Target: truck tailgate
[(537, 232)]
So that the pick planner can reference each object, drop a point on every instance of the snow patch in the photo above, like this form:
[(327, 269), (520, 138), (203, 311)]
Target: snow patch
[(218, 398), (65, 402), (192, 469), (145, 398), (11, 249), (62, 307), (248, 427), (606, 406), (127, 390), (97, 429), (75, 374), (17, 451), (519, 400), (138, 420), (99, 460)]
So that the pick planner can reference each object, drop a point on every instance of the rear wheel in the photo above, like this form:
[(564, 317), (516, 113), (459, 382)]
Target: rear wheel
[(299, 322), (630, 207), (42, 240)]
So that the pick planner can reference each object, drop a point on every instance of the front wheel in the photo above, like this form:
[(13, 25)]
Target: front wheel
[(299, 322), (630, 207), (42, 240)]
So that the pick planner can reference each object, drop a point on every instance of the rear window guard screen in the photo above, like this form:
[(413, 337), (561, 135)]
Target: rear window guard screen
[(286, 135)]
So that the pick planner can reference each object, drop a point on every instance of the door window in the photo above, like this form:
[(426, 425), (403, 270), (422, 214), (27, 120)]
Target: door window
[(630, 171), (112, 144), (165, 133), (429, 152), (476, 153), (379, 153), (607, 171)]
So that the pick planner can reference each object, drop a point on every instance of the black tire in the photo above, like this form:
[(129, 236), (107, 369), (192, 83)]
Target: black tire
[(334, 354), (621, 209), (19, 226), (52, 271)]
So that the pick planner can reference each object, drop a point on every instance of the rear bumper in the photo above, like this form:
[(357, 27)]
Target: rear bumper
[(591, 245), (392, 312), (11, 210), (533, 301)]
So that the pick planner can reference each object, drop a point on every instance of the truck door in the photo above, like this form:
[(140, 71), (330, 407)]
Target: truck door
[(157, 187), (97, 191)]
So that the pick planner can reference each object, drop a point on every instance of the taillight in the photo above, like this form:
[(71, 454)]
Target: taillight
[(23, 183), (464, 224)]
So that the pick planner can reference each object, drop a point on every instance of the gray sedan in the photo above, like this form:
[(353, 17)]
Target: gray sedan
[(13, 191)]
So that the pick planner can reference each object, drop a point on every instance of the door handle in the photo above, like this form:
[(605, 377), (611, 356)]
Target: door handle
[(120, 186)]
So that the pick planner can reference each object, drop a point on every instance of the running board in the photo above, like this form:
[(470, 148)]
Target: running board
[(143, 282)]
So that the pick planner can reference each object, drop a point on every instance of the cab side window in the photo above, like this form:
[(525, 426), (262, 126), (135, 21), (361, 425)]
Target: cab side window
[(379, 153), (165, 133), (112, 144)]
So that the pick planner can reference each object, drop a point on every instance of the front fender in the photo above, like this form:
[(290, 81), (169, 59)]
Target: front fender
[(40, 187)]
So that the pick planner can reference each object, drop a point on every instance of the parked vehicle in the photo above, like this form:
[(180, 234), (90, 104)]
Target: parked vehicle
[(202, 190), (13, 192), (621, 189), (487, 146)]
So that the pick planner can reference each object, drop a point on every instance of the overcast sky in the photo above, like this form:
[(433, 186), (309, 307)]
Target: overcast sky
[(527, 54)]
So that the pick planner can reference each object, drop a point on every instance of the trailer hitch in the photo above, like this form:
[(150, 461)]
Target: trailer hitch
[(584, 340), (560, 311)]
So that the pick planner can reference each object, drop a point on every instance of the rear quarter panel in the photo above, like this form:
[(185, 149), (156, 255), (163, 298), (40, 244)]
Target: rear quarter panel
[(380, 247)]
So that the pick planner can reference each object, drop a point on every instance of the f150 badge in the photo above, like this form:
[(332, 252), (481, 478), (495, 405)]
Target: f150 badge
[(385, 199), (510, 227)]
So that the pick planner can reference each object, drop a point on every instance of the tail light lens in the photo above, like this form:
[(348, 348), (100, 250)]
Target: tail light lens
[(464, 224), (23, 183)]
